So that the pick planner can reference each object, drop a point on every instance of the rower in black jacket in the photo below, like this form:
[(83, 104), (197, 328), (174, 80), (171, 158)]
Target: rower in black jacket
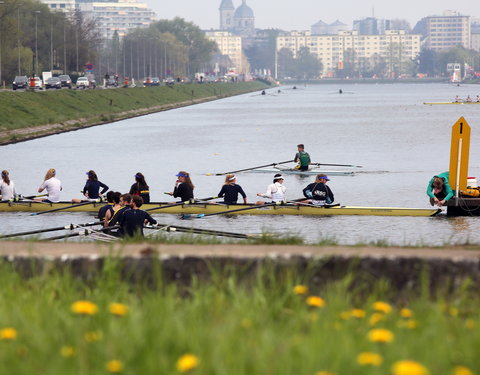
[(132, 221), (318, 193), (183, 187)]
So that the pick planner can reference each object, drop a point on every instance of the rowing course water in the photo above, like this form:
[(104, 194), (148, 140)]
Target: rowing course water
[(400, 142)]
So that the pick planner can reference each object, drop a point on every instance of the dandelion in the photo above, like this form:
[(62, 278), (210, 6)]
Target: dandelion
[(187, 362), (114, 366), (409, 368), (406, 313), (8, 334), (462, 370), (453, 311), (300, 289), (324, 373), (358, 313), (470, 323), (93, 336), (367, 358), (345, 315), (375, 319), (84, 308), (118, 309), (381, 306), (67, 351), (315, 301), (380, 335)]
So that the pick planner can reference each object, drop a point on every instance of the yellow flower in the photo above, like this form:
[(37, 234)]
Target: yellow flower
[(406, 313), (324, 373), (453, 311), (367, 358), (382, 307), (246, 323), (114, 366), (300, 289), (118, 309), (462, 370), (470, 323), (93, 336), (409, 368), (345, 315), (8, 334), (187, 362), (380, 335), (84, 308), (67, 351), (358, 313), (315, 301), (375, 319)]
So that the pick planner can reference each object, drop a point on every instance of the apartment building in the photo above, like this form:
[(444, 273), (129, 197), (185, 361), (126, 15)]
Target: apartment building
[(447, 31), (60, 6), (395, 46), (230, 45)]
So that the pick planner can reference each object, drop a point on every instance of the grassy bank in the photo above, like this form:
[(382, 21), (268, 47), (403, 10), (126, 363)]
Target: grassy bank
[(27, 114), (274, 324)]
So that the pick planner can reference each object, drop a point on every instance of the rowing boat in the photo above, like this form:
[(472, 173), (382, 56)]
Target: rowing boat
[(310, 172), (435, 103), (207, 208)]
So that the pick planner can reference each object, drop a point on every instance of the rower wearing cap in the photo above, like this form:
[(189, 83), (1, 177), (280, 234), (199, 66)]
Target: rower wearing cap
[(230, 190), (140, 187), (318, 193), (275, 191), (183, 187), (91, 191)]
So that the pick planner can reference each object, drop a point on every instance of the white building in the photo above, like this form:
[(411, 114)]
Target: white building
[(447, 31), (394, 47), (230, 45), (60, 5), (118, 16)]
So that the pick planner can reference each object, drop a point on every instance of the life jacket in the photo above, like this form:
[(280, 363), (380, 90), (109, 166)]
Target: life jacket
[(471, 193)]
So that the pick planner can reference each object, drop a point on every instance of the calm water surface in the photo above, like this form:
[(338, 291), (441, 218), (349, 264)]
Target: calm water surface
[(386, 128)]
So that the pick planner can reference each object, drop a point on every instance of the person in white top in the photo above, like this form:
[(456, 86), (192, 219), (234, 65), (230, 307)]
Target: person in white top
[(7, 187), (53, 187), (275, 191)]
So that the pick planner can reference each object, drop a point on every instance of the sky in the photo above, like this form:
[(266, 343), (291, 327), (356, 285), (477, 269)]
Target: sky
[(301, 14)]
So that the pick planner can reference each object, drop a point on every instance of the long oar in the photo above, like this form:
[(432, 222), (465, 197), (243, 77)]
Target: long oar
[(84, 232), (180, 204), (176, 228), (338, 165), (20, 197), (65, 208), (66, 227), (198, 216), (249, 169)]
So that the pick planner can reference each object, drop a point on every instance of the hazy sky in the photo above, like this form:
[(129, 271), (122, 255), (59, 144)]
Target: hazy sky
[(301, 14)]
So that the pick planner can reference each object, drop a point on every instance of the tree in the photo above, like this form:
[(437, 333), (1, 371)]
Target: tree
[(307, 65)]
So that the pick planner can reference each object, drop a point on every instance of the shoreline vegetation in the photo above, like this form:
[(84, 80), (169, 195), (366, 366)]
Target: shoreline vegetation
[(29, 115), (274, 320)]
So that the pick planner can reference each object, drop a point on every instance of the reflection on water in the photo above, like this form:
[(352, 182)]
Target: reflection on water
[(399, 141)]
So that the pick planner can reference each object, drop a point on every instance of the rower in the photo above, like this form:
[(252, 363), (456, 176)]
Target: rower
[(53, 187), (183, 187), (91, 189), (439, 189), (230, 190), (469, 99), (458, 99), (7, 187), (478, 99), (302, 158), (318, 193), (263, 92), (120, 208), (275, 191), (140, 187), (133, 220), (102, 212)]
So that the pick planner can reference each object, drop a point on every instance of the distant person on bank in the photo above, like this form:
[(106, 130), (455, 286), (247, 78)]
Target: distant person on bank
[(439, 189)]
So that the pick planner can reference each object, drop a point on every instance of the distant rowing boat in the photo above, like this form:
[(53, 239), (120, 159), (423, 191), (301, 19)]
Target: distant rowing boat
[(436, 103), (310, 172), (208, 208)]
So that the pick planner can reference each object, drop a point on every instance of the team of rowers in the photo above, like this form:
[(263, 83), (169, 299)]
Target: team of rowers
[(467, 100)]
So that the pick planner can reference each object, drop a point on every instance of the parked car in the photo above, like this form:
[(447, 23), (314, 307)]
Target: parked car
[(20, 82), (82, 82), (169, 81), (147, 81), (155, 81), (111, 82), (66, 80), (38, 83), (53, 83)]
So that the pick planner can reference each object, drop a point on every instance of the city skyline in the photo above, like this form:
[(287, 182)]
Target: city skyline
[(275, 14)]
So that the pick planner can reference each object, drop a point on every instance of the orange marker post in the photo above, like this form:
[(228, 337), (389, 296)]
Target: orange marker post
[(459, 154)]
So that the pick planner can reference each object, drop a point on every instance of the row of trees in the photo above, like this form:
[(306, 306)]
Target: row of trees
[(33, 39)]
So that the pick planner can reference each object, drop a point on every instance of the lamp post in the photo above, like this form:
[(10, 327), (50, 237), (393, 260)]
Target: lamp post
[(36, 40)]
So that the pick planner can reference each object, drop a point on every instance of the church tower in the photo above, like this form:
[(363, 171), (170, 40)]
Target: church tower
[(226, 14)]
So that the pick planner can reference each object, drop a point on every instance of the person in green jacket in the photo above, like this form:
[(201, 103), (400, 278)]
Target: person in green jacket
[(439, 189)]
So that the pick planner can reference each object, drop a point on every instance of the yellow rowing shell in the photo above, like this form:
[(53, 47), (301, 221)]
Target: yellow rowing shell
[(209, 208), (436, 103)]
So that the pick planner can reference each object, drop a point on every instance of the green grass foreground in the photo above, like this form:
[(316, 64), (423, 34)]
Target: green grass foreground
[(29, 109), (268, 324)]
